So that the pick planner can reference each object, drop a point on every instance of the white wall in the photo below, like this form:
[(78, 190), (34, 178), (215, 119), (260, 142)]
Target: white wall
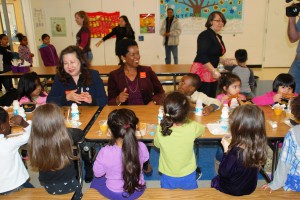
[(268, 48)]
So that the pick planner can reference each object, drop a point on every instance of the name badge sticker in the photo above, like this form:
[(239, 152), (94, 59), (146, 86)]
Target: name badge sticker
[(143, 75)]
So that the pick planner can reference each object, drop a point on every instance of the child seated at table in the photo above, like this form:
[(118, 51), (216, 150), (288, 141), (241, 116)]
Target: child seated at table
[(118, 166), (48, 52), (175, 138), (13, 176), (244, 154), (50, 151), (230, 87), (31, 90), (188, 86), (283, 87), (287, 174), (243, 72)]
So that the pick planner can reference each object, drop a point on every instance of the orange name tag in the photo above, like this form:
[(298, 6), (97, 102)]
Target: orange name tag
[(142, 74), (67, 91)]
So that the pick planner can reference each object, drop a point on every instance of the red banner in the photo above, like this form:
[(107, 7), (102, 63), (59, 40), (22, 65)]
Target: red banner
[(102, 23)]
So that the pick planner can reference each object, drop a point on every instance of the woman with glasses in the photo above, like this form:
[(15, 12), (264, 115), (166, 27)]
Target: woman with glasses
[(210, 48)]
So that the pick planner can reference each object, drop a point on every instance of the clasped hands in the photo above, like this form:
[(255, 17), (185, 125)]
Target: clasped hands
[(78, 98)]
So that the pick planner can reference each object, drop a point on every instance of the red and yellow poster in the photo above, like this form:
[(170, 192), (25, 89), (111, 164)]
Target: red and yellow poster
[(102, 23), (147, 23)]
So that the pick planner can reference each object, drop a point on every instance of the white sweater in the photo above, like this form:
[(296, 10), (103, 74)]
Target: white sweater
[(12, 170)]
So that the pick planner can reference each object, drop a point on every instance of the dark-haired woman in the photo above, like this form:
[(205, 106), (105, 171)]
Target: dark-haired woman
[(133, 84), (74, 82), (121, 177), (83, 36), (210, 48), (123, 30)]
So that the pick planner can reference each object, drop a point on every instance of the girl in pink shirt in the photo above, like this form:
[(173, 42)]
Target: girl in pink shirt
[(118, 166), (30, 89), (230, 87), (283, 85)]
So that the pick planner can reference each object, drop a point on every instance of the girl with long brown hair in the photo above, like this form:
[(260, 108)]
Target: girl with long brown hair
[(50, 151), (118, 166), (245, 154)]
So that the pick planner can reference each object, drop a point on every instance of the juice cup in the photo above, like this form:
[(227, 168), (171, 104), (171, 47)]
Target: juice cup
[(278, 110), (103, 126)]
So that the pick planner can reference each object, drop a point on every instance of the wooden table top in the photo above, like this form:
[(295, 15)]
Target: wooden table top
[(200, 193), (86, 113), (148, 114), (35, 194), (162, 70), (41, 71)]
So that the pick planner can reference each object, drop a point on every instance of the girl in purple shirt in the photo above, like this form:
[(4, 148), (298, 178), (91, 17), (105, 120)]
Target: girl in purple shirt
[(118, 166), (244, 153)]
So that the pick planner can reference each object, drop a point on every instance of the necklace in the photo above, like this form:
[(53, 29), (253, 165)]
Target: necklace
[(132, 89)]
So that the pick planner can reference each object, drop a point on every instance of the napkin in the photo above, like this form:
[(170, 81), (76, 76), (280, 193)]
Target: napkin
[(16, 62), (26, 64), (216, 129)]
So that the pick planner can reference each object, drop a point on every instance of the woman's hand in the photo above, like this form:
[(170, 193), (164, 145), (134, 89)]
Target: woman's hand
[(266, 186), (31, 55), (215, 74), (98, 43), (227, 61), (86, 97), (123, 96), (277, 97), (73, 96)]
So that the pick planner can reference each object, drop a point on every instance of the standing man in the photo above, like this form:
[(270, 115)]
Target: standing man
[(294, 36), (170, 30)]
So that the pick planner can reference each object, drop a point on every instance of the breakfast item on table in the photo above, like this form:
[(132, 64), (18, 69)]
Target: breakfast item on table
[(288, 96), (285, 98), (17, 129), (29, 107), (141, 130), (242, 102)]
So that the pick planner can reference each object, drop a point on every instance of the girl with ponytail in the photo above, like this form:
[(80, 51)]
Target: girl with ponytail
[(118, 166), (175, 138)]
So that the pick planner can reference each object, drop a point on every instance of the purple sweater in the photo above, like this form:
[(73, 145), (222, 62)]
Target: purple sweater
[(49, 55), (109, 163)]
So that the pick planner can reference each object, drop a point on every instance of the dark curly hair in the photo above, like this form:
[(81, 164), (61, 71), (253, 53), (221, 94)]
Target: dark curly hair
[(176, 109), (63, 76)]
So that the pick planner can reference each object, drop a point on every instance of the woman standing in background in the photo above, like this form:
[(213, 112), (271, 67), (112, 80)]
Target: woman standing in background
[(123, 30), (210, 48), (83, 36)]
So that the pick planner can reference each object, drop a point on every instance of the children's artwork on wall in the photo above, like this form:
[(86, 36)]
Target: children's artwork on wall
[(102, 23), (147, 23), (193, 13), (58, 26)]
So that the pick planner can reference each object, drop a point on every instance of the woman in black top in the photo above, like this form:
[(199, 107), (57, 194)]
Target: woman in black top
[(83, 37), (123, 30), (210, 48)]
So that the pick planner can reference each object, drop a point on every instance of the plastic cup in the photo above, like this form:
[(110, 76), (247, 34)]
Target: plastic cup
[(278, 110), (103, 126)]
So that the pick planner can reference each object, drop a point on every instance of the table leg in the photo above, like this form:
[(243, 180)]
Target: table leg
[(275, 156), (174, 82)]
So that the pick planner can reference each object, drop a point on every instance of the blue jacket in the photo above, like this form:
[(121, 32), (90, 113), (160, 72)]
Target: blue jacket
[(58, 91)]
